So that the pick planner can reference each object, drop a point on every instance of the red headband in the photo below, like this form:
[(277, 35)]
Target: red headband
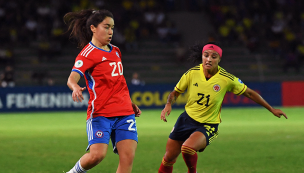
[(213, 47)]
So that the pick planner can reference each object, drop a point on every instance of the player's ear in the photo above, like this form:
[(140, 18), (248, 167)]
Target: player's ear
[(93, 28)]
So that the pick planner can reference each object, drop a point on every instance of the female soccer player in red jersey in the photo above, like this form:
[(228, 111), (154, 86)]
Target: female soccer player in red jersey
[(197, 127), (110, 113)]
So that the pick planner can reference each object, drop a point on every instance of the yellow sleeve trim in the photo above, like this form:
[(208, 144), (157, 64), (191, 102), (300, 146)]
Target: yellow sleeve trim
[(178, 90), (243, 90)]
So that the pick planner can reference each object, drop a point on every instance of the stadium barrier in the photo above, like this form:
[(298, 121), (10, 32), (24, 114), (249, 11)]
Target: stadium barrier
[(20, 99), (39, 99), (155, 96)]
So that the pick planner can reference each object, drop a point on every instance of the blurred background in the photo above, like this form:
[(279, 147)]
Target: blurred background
[(262, 41)]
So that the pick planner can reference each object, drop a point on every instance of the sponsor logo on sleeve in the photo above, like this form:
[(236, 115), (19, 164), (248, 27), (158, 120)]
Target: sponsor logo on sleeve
[(240, 81), (117, 54), (78, 63)]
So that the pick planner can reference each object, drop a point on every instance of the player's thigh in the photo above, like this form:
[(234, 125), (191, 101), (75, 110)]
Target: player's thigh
[(202, 136), (99, 130), (125, 132), (173, 149), (197, 140)]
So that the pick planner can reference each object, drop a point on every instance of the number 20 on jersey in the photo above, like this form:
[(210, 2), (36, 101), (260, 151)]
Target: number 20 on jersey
[(117, 68)]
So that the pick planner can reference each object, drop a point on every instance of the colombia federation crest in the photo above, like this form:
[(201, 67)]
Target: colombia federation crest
[(216, 87)]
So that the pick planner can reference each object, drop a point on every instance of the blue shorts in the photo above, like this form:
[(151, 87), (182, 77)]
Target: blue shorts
[(101, 129), (185, 126)]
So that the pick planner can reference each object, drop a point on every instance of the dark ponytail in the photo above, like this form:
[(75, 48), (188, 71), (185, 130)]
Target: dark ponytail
[(79, 24), (196, 52)]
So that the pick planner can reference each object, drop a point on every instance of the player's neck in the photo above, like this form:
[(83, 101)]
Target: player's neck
[(211, 72), (101, 46)]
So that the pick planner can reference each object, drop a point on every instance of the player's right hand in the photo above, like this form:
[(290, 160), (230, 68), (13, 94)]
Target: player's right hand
[(77, 94), (278, 113), (165, 112)]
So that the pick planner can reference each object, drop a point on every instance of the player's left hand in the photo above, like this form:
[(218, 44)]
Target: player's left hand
[(278, 113), (136, 110)]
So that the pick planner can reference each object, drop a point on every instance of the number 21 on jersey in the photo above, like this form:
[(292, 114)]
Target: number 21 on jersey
[(117, 68)]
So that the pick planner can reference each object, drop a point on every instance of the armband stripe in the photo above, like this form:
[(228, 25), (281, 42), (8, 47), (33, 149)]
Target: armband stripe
[(242, 90), (78, 71), (180, 91)]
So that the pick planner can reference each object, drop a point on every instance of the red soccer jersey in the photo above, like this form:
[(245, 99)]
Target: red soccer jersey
[(103, 72)]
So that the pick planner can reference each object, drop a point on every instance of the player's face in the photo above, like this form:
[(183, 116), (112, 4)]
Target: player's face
[(210, 59), (103, 33)]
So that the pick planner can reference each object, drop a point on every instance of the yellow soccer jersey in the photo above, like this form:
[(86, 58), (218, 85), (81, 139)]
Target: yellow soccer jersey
[(206, 96)]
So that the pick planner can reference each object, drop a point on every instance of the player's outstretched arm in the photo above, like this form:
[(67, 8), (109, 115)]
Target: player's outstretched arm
[(168, 107), (73, 85), (258, 99)]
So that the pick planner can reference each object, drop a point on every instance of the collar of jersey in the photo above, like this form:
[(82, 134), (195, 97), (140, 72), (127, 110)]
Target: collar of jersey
[(102, 49)]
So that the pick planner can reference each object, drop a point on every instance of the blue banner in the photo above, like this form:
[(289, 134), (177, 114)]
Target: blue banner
[(148, 96), (39, 99), (155, 96)]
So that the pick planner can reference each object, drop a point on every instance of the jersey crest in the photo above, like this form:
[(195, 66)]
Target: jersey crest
[(216, 87)]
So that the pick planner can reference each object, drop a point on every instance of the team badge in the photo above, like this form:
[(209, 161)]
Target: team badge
[(240, 81), (99, 134), (117, 54), (216, 88), (78, 63)]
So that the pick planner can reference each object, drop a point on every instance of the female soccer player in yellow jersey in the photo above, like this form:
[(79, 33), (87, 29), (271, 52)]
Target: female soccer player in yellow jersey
[(197, 127)]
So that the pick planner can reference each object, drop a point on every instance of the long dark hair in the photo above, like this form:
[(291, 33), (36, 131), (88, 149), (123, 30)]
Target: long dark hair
[(79, 24), (196, 52)]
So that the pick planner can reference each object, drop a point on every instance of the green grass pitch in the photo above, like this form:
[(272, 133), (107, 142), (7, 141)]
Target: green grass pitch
[(251, 140)]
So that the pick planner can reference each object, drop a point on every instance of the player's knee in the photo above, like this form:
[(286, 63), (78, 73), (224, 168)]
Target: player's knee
[(96, 158), (171, 156), (127, 156)]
